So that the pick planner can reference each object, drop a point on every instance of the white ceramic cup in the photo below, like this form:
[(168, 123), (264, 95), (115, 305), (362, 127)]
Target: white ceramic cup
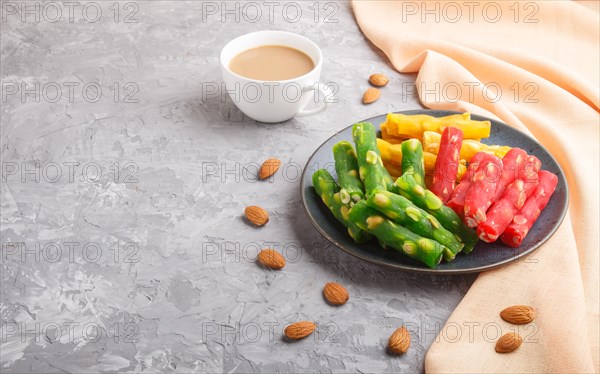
[(275, 101)]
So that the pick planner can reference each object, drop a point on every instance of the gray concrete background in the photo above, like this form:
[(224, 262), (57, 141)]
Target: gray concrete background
[(124, 182)]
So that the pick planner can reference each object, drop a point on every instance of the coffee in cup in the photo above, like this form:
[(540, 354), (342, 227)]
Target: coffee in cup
[(272, 76)]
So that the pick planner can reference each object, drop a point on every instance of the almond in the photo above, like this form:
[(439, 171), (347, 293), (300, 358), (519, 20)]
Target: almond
[(299, 330), (399, 341), (271, 259), (257, 215), (379, 80), (371, 95), (508, 342), (268, 168), (335, 293), (518, 314)]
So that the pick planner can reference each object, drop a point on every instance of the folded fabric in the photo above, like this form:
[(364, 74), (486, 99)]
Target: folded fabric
[(535, 66)]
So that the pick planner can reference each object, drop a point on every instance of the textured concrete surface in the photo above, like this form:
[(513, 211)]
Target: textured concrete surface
[(125, 174)]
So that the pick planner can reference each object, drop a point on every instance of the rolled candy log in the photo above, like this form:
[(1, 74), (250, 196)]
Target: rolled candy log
[(457, 199), (482, 191), (446, 164), (522, 222), (501, 213), (516, 164)]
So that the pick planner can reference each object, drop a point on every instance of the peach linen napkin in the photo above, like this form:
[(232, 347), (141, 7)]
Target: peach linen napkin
[(539, 62)]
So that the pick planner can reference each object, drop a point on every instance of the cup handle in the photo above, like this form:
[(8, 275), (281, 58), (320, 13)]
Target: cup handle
[(328, 99)]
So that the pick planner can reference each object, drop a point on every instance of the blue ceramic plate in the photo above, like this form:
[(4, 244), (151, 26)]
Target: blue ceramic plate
[(485, 255)]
